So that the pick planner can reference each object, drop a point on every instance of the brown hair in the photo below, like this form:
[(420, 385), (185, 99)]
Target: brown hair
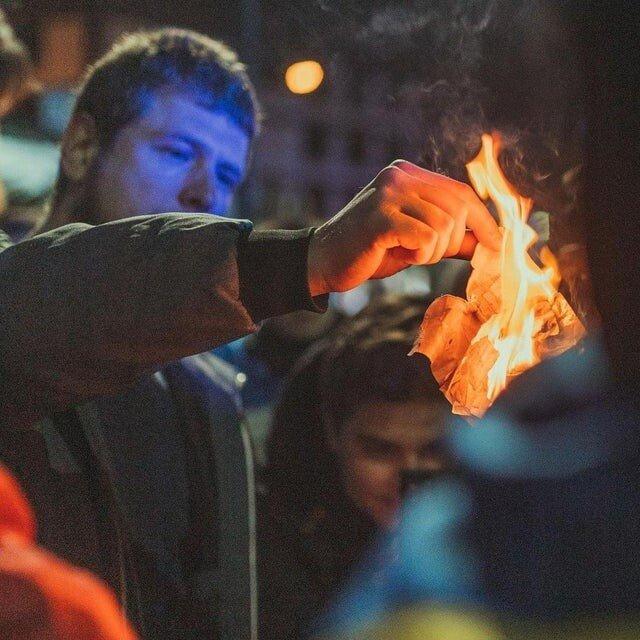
[(367, 361)]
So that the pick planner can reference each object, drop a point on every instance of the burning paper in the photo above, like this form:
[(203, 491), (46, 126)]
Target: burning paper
[(513, 316)]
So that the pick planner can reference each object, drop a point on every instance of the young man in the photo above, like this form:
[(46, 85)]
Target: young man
[(163, 122), (124, 485), (356, 425)]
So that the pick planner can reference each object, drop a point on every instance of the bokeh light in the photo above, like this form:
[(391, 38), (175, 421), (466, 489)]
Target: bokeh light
[(304, 77)]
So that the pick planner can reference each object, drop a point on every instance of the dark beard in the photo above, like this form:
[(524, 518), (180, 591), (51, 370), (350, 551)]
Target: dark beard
[(86, 209)]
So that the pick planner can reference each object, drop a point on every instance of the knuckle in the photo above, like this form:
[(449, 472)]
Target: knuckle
[(463, 211), (390, 176), (386, 193), (443, 224), (459, 216), (454, 247), (430, 236), (448, 225), (466, 191)]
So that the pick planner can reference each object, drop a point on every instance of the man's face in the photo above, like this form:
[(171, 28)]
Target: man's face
[(380, 441), (178, 156)]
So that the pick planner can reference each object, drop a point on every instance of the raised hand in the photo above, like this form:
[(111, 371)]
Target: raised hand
[(405, 216)]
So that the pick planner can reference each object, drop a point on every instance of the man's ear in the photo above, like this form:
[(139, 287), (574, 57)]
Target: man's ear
[(79, 147)]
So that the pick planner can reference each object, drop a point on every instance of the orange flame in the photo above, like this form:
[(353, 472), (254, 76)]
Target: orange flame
[(523, 283)]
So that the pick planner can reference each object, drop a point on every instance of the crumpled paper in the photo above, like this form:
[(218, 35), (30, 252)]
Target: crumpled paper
[(460, 364)]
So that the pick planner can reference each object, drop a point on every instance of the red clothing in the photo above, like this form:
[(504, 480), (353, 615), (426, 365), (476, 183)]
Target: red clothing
[(41, 597), (15, 513)]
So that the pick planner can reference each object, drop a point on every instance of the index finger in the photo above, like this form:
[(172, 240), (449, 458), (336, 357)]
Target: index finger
[(449, 194)]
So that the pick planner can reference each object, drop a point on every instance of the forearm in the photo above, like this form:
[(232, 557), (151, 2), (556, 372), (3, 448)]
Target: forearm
[(87, 310)]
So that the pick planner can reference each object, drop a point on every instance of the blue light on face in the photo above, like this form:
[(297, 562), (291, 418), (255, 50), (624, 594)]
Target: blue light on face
[(179, 155)]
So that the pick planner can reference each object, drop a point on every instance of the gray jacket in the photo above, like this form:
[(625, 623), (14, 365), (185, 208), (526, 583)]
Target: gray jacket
[(136, 461)]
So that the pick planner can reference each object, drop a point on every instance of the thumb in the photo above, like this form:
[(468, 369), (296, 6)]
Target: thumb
[(467, 247)]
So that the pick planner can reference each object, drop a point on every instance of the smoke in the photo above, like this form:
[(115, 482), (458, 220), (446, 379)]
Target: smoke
[(416, 32), (470, 66), (512, 67), (396, 21)]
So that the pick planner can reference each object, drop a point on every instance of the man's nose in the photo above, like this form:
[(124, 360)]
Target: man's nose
[(199, 192)]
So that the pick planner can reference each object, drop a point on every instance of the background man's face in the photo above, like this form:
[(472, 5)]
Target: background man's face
[(179, 156), (380, 441)]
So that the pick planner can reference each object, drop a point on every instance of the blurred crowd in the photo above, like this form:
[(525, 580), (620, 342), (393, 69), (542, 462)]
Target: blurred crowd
[(307, 479)]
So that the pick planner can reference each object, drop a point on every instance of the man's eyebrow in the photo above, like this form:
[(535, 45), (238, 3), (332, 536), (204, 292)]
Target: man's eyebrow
[(179, 136)]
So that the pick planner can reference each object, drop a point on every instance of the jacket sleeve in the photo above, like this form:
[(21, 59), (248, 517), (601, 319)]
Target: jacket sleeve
[(87, 310)]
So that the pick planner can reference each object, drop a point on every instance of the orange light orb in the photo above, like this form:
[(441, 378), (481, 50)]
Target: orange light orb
[(304, 77)]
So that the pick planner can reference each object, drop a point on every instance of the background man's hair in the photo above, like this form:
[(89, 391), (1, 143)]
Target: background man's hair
[(116, 89), (367, 360)]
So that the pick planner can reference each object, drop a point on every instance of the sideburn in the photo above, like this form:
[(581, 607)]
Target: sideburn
[(75, 202)]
